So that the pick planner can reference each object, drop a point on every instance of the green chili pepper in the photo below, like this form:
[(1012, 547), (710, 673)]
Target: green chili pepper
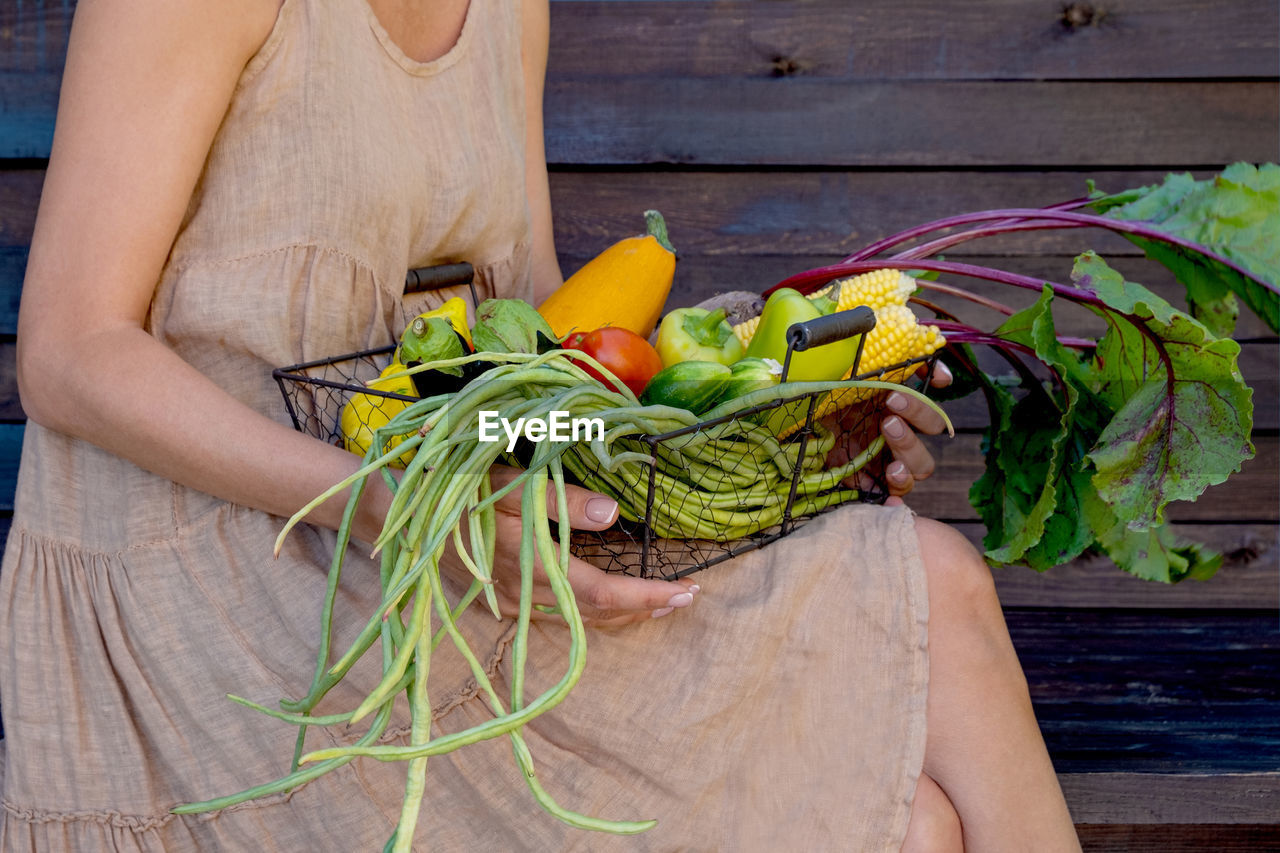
[(696, 334), (819, 364)]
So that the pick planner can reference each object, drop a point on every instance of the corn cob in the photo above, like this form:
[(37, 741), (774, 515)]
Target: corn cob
[(746, 329), (876, 289), (897, 336)]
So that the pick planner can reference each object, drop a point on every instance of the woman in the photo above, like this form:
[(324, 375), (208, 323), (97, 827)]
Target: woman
[(241, 185)]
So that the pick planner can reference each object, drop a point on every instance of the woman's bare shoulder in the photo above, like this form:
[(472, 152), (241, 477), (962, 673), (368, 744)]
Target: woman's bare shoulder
[(239, 26)]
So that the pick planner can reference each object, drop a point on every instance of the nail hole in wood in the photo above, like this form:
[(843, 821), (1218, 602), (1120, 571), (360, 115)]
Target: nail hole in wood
[(784, 66), (1075, 16)]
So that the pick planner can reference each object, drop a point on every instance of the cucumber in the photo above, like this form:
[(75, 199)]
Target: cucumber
[(750, 374), (691, 385)]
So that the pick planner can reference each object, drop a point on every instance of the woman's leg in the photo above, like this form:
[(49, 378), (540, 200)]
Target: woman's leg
[(984, 747), (934, 826)]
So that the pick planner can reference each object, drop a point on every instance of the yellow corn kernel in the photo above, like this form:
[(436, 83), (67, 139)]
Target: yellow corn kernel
[(898, 336), (875, 289), (744, 330)]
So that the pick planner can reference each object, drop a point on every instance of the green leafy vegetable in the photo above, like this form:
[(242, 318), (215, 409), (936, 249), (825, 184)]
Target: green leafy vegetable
[(1154, 410), (1153, 553), (1184, 413), (1236, 215), (1158, 413), (1038, 450), (510, 325)]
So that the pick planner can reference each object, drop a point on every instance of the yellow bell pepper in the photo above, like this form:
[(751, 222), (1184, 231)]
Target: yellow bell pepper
[(364, 413)]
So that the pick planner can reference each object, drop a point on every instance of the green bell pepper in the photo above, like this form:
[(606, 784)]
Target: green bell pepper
[(696, 334), (819, 364)]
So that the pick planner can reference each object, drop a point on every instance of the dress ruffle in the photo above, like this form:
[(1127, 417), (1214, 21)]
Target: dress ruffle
[(802, 668), (784, 710)]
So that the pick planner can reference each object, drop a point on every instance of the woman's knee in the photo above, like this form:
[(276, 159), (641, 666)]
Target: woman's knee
[(934, 826), (957, 573)]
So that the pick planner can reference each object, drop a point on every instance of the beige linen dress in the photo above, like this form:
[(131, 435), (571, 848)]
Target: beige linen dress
[(783, 711)]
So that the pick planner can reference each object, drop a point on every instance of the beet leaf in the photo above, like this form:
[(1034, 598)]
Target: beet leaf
[(1183, 412), (1030, 496), (1157, 412), (1236, 215)]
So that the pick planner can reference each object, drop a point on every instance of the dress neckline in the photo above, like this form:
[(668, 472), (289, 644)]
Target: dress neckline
[(414, 66)]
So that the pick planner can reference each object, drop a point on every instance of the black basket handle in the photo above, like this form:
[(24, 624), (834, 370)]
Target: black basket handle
[(830, 328), (441, 275)]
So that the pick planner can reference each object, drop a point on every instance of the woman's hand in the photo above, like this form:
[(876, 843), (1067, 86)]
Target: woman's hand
[(912, 460), (906, 417), (605, 599)]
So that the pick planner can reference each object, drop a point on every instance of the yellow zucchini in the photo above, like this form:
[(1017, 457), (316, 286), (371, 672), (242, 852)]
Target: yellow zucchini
[(626, 285)]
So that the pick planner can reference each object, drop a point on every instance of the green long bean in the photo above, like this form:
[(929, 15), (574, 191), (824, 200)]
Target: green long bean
[(446, 486)]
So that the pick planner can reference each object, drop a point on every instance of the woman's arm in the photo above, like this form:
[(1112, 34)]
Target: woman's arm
[(546, 267), (145, 87)]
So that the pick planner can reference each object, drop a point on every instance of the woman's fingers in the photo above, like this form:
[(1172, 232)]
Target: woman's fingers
[(609, 598), (907, 448), (587, 510), (912, 460), (898, 479), (940, 377), (603, 598), (918, 415)]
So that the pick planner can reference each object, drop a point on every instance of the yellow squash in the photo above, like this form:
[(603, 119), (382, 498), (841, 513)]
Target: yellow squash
[(626, 285), (364, 413)]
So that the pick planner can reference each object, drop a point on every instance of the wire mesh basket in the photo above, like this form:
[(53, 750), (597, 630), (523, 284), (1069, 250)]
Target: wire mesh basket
[(708, 492)]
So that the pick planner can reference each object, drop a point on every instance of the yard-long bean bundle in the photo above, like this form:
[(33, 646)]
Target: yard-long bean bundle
[(444, 499)]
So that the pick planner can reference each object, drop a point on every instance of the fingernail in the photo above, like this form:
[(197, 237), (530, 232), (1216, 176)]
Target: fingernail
[(662, 611), (681, 599), (896, 470), (894, 428), (695, 588), (897, 402), (601, 510), (942, 371)]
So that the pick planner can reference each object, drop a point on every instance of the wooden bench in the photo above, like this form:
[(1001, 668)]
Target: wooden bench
[(780, 136)]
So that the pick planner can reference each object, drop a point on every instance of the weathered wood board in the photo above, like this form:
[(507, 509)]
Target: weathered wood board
[(781, 136)]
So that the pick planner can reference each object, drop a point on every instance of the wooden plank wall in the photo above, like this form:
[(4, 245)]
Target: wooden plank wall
[(781, 136), (777, 136)]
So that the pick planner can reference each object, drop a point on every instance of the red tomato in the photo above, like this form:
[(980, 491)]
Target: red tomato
[(624, 353)]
